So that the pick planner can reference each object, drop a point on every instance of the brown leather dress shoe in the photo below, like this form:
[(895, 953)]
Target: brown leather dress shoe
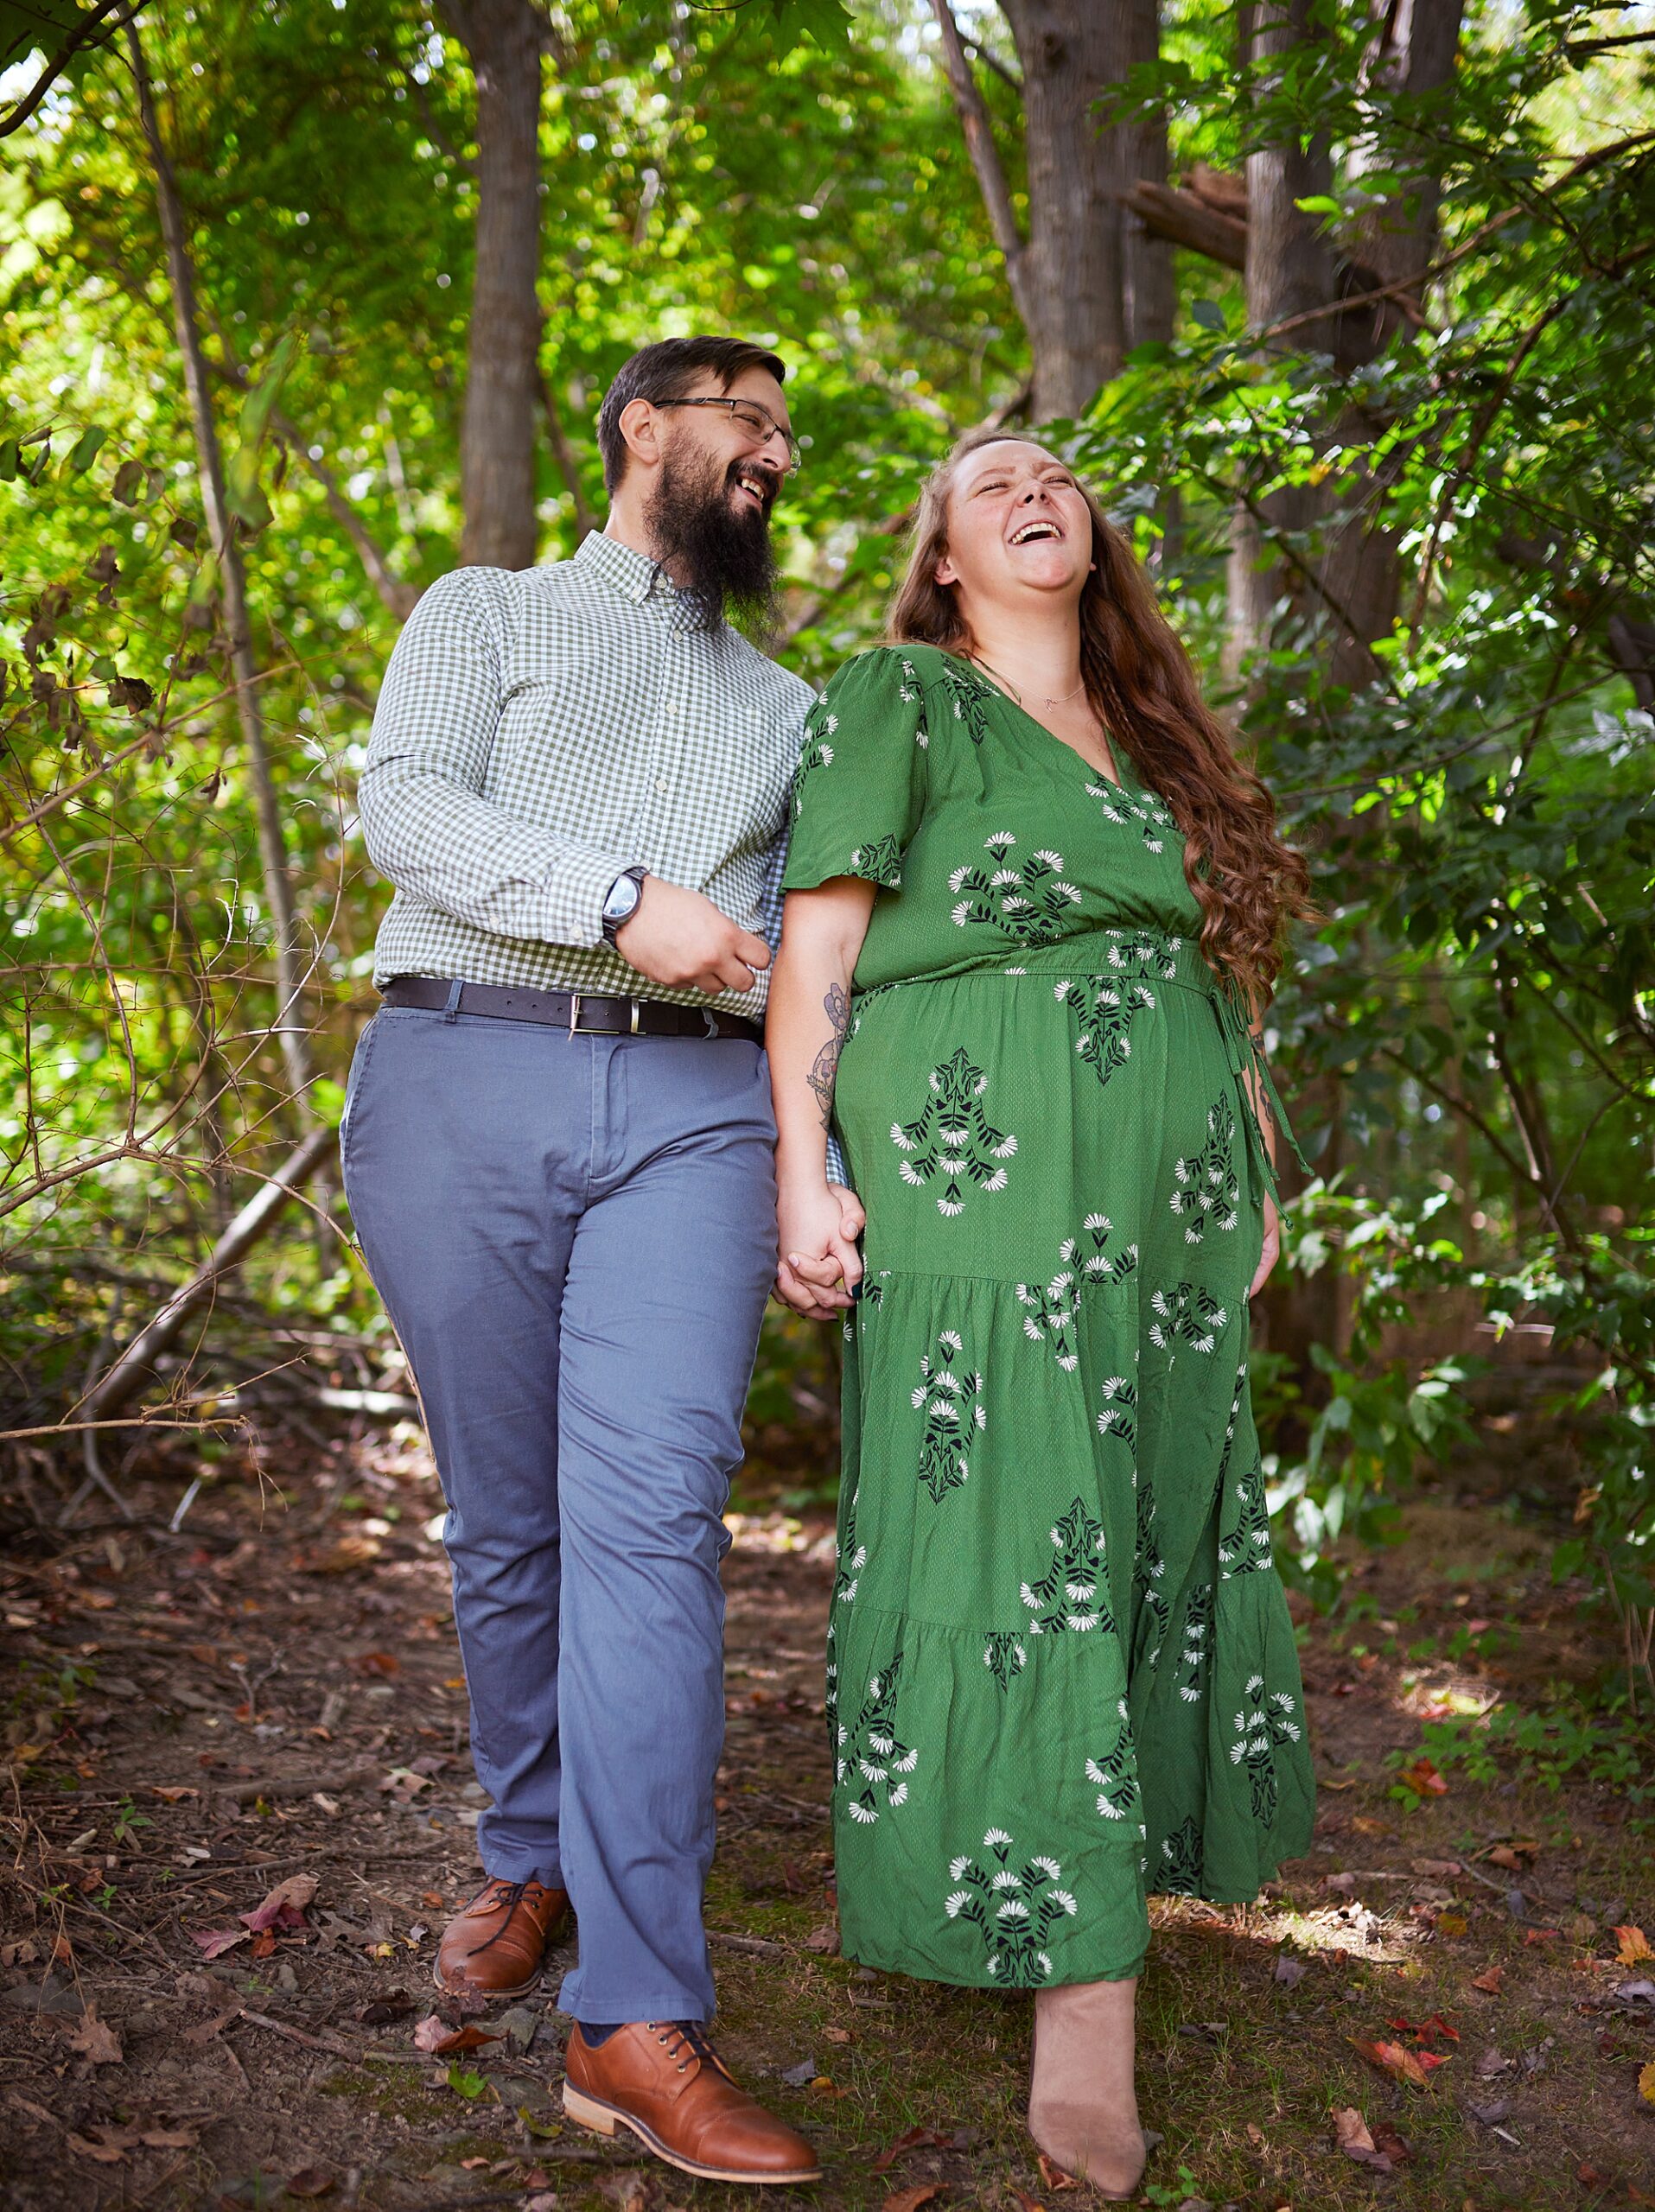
[(495, 1947), (664, 2081)]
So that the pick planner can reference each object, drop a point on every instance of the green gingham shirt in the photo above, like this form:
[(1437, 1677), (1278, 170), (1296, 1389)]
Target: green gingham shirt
[(540, 732)]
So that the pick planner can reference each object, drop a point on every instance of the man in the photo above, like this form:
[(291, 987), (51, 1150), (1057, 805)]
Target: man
[(559, 1154)]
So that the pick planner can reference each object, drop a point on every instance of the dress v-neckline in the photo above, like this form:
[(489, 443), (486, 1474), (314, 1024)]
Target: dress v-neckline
[(1119, 781)]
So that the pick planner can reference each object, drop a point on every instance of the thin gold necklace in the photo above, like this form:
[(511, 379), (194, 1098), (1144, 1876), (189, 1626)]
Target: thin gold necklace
[(1017, 694)]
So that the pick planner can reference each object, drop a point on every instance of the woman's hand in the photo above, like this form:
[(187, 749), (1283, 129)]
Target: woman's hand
[(820, 1265), (1272, 1248)]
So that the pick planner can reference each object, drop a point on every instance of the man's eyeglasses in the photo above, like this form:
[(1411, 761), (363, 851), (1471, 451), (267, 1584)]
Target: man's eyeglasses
[(759, 422)]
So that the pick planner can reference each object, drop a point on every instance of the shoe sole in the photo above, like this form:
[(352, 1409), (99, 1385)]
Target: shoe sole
[(460, 1989), (603, 2120)]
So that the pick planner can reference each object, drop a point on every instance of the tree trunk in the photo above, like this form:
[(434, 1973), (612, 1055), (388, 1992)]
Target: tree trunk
[(1074, 262), (504, 39), (1291, 270), (1413, 55), (1353, 581), (1147, 266), (222, 530)]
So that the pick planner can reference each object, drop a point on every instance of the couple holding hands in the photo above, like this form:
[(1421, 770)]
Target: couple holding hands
[(1016, 909)]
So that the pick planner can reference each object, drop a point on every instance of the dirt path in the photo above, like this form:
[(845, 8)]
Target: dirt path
[(274, 1692)]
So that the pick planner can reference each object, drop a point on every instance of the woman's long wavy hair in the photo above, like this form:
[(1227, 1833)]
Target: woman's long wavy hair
[(1140, 682)]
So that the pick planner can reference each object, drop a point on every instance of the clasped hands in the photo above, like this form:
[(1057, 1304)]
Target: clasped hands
[(820, 1269)]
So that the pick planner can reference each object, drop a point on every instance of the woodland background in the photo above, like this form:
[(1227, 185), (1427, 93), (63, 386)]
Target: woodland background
[(1346, 309)]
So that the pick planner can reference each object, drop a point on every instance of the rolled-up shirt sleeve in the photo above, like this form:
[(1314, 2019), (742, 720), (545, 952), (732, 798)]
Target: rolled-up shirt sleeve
[(428, 830)]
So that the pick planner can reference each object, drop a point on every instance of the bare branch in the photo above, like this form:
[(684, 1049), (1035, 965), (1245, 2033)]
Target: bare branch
[(1188, 219), (96, 28), (134, 1367)]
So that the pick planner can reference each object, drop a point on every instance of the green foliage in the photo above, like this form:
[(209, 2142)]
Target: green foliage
[(1469, 1031), (1602, 1743)]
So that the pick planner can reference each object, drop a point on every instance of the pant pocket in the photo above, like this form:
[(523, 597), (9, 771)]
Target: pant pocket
[(352, 1115)]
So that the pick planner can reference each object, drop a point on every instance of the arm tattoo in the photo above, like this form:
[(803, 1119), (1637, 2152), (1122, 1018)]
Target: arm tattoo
[(825, 1066)]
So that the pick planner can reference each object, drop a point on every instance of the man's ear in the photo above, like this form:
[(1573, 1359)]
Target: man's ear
[(639, 426)]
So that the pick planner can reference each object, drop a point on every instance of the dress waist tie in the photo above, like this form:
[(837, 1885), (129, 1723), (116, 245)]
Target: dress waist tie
[(1247, 1060)]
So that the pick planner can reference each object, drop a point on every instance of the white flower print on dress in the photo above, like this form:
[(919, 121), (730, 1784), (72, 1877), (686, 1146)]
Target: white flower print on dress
[(952, 1142), (953, 1404), (1014, 1908)]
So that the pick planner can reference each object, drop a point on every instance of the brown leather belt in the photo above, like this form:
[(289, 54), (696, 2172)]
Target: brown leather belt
[(583, 1014)]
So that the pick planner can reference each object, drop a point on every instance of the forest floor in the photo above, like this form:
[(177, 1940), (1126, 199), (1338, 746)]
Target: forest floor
[(273, 1692)]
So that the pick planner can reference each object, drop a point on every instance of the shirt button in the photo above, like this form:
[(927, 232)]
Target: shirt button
[(661, 783), (670, 707)]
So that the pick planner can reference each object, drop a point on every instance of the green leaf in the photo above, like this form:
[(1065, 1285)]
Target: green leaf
[(467, 2084), (10, 457), (242, 492), (1318, 204), (1208, 314), (84, 451)]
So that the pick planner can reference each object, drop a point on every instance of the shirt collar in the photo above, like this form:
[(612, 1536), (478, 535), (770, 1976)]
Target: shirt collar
[(634, 574)]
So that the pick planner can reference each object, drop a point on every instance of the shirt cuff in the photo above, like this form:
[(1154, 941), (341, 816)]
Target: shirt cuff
[(576, 902), (836, 1170)]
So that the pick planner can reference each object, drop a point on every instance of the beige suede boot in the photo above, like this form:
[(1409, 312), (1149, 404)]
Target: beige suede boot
[(1083, 2110)]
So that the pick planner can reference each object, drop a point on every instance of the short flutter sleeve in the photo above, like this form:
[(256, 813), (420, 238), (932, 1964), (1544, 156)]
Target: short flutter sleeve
[(859, 789)]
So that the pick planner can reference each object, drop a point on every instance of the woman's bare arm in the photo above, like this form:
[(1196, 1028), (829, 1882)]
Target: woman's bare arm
[(822, 932)]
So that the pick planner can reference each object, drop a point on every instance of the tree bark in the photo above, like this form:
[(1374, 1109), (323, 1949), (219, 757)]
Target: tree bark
[(1151, 299), (1090, 279), (1075, 260), (222, 530), (504, 39)]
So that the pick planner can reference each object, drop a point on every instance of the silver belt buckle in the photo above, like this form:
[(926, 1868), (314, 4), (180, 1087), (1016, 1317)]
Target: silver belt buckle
[(636, 1010), (574, 997)]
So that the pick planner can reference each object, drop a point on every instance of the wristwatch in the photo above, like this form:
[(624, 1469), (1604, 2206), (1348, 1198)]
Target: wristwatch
[(623, 902)]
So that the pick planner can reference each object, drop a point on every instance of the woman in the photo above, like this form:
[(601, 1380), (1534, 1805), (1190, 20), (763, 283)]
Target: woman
[(1034, 899)]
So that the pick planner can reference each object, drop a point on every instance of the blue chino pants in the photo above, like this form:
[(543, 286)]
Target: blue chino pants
[(575, 1237)]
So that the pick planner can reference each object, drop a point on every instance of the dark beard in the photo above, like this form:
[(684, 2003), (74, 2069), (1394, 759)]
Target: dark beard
[(722, 552)]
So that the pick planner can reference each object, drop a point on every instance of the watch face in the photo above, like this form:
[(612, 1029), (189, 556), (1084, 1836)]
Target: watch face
[(622, 900)]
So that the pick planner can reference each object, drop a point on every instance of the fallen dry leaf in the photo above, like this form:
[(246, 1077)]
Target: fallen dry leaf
[(824, 1939), (1646, 2084), (1423, 1779), (1492, 1979), (1351, 2133), (1631, 1947), (204, 2030), (348, 1553), (435, 2035), (95, 2039), (838, 2035), (108, 2146), (283, 1908), (172, 1793), (215, 1941), (1054, 2176), (310, 2181), (912, 2141), (910, 2199), (376, 1663), (1402, 2065)]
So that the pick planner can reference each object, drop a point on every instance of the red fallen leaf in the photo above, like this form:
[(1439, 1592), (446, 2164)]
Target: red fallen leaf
[(1437, 2026), (1054, 2176), (1423, 1779), (215, 1941), (1631, 1947), (263, 1944), (1541, 1934), (435, 2035), (310, 2181), (910, 2199), (1385, 2139), (283, 1908), (1492, 1979), (376, 1663), (912, 2141), (1391, 2058)]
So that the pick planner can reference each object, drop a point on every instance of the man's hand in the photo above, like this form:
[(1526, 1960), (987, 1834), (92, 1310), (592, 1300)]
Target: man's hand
[(820, 1264), (677, 937)]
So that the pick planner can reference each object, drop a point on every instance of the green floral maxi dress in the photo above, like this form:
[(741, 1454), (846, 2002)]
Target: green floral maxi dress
[(1061, 1672)]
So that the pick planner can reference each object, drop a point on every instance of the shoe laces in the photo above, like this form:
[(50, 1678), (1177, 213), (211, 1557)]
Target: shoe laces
[(511, 1895), (683, 2040)]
